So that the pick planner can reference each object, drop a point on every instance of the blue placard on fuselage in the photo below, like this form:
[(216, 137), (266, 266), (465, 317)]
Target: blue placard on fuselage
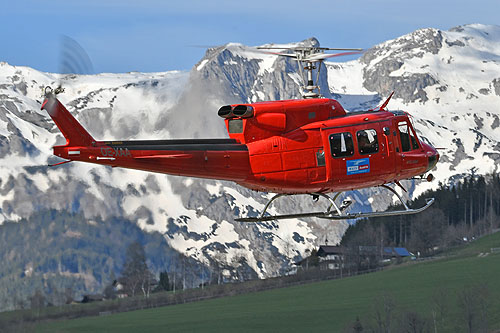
[(355, 167)]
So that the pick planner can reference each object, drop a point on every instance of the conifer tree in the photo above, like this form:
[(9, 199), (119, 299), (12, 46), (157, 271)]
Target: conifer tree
[(164, 283), (136, 274)]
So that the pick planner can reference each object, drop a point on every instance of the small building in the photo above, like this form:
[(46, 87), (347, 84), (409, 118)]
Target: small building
[(362, 257), (327, 257), (118, 285), (331, 257), (387, 252), (119, 289), (93, 298), (396, 252)]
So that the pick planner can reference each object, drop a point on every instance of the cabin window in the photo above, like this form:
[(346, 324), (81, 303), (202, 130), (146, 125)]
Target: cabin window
[(367, 141), (235, 126), (407, 137), (341, 144)]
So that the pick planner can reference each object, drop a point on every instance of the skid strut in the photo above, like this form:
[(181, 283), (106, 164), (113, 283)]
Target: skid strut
[(338, 213)]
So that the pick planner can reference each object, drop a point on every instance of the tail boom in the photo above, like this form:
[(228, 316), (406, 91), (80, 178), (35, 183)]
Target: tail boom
[(209, 158), (203, 158)]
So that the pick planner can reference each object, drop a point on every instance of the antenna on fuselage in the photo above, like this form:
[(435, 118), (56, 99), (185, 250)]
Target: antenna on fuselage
[(308, 56)]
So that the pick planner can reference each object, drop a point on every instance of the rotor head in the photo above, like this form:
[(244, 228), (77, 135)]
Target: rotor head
[(308, 56)]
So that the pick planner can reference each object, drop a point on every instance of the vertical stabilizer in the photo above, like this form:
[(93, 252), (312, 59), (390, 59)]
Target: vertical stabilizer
[(74, 133)]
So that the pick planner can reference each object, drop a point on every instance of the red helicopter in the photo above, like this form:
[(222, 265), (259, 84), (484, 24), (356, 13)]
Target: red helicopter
[(306, 146)]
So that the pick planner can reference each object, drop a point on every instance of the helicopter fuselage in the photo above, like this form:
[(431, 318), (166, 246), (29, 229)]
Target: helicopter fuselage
[(294, 146)]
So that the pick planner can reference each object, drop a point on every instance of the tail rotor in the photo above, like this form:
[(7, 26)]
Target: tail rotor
[(72, 60)]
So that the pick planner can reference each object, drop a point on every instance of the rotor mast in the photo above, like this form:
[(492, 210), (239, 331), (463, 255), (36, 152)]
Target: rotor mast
[(308, 57), (309, 89), (303, 55)]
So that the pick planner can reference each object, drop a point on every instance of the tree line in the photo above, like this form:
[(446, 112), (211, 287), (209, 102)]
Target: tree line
[(137, 277), (387, 315), (462, 211), (61, 256)]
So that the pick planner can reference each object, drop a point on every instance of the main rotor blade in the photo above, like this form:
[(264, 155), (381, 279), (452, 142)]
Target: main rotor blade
[(322, 56), (333, 49), (307, 48), (313, 57), (275, 48), (281, 54)]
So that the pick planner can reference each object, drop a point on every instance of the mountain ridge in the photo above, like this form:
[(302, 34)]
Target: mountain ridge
[(197, 216)]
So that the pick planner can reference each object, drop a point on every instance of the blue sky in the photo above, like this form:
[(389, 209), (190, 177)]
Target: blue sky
[(153, 35)]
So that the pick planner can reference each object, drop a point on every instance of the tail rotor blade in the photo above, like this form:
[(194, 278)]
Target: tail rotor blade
[(73, 58)]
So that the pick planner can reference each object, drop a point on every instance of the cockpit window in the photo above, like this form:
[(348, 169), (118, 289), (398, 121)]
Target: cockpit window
[(414, 142)]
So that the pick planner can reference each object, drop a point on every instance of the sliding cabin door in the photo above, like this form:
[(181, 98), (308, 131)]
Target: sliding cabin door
[(358, 156)]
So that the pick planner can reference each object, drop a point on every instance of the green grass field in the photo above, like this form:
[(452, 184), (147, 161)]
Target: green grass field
[(330, 305)]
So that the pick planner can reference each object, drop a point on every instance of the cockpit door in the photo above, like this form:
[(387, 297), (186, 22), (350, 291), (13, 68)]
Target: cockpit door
[(407, 146)]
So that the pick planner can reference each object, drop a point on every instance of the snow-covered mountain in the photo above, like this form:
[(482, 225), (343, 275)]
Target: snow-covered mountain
[(196, 216), (448, 80), (450, 83)]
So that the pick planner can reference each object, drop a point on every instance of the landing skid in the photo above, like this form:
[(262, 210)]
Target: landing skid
[(338, 212)]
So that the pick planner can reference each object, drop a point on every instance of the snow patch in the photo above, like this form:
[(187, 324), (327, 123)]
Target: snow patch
[(202, 64)]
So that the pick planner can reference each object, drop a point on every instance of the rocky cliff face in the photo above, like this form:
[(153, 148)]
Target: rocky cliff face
[(389, 57)]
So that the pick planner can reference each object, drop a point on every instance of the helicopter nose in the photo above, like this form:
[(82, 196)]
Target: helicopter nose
[(432, 158), (432, 161)]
